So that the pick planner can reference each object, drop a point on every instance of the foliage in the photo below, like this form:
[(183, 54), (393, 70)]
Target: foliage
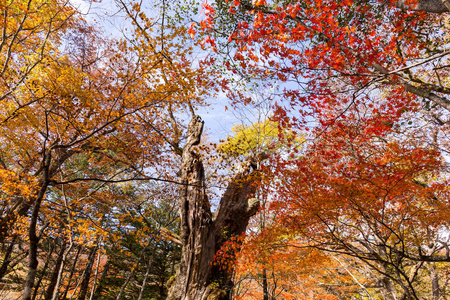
[(360, 210), (372, 77)]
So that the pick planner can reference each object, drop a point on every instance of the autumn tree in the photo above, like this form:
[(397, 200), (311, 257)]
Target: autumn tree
[(371, 77), (83, 114), (382, 200), (293, 270), (76, 104)]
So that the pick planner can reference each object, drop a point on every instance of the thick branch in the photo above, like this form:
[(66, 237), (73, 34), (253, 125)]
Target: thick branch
[(431, 6)]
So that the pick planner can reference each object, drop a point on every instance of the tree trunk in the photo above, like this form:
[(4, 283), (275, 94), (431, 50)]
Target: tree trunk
[(201, 236), (435, 283), (44, 272), (60, 274), (102, 281), (54, 278), (22, 205), (6, 259), (264, 284), (33, 238), (431, 6), (144, 283), (32, 256), (87, 274), (95, 276), (131, 274), (72, 270)]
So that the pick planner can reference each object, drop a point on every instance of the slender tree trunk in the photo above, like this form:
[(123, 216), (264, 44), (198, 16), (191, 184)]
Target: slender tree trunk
[(130, 275), (95, 276), (61, 271), (54, 278), (435, 283), (102, 281), (77, 285), (32, 256), (144, 282), (72, 271), (264, 284), (84, 287), (44, 270), (6, 258), (201, 236), (34, 239)]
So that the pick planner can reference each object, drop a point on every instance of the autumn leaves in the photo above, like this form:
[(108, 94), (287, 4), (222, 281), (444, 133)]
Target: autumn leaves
[(362, 192)]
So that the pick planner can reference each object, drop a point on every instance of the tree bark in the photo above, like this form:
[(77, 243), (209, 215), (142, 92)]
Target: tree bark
[(61, 271), (264, 284), (144, 282), (435, 283), (201, 236), (34, 239), (102, 281), (7, 257), (430, 6), (72, 271), (95, 276), (54, 278), (87, 274), (44, 272)]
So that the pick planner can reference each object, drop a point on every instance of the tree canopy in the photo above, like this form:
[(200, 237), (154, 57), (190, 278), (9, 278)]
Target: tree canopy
[(110, 189)]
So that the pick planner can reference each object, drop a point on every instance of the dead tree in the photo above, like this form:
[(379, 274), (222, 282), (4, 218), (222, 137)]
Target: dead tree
[(201, 234)]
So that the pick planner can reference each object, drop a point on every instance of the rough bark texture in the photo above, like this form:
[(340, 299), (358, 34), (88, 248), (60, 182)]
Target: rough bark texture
[(431, 6), (201, 236), (435, 283)]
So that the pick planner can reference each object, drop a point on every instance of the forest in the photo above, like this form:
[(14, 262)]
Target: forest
[(328, 179)]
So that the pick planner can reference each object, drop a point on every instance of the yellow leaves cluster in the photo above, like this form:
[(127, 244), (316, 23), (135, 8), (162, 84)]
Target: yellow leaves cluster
[(266, 136), (250, 139), (31, 31), (13, 184)]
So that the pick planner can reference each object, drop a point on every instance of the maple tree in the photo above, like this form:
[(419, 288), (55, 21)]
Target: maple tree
[(373, 198), (294, 272), (333, 55), (373, 78)]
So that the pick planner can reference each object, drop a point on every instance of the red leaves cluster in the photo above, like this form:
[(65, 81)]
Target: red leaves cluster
[(350, 179)]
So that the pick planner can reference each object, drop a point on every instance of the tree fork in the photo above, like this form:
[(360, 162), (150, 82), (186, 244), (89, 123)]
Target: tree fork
[(201, 235)]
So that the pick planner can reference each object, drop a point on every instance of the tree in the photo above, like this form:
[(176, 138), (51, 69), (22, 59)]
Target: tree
[(381, 200), (201, 234), (373, 76), (269, 268), (81, 116), (336, 52)]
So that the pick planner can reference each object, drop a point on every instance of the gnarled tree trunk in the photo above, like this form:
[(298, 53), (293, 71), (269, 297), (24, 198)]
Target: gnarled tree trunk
[(201, 235)]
